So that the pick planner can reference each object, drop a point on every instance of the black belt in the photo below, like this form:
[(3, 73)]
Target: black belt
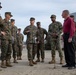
[(66, 33)]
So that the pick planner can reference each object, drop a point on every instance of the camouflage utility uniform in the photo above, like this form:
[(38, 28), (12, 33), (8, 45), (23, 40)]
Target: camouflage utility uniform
[(5, 41), (31, 40), (40, 46), (55, 28), (14, 40), (20, 38)]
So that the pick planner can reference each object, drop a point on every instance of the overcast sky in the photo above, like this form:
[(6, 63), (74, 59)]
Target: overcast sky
[(22, 10)]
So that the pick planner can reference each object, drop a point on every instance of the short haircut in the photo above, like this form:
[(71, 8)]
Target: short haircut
[(66, 11)]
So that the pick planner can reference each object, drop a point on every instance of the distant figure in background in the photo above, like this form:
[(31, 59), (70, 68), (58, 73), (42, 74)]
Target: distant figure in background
[(55, 29), (41, 32), (20, 39), (14, 40), (31, 32), (68, 34)]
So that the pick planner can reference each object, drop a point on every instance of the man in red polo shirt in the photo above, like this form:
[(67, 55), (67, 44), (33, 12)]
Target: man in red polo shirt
[(68, 30)]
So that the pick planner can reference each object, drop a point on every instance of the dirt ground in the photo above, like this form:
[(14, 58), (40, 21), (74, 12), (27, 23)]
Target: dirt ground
[(22, 68)]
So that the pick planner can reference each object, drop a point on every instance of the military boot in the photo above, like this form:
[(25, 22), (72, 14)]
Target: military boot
[(3, 64), (15, 61), (8, 63), (61, 60), (31, 63), (18, 58), (34, 62), (42, 60), (52, 61), (38, 60)]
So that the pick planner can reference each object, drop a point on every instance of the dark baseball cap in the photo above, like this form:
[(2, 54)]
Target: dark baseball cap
[(38, 23), (32, 19), (71, 15), (53, 16), (9, 13)]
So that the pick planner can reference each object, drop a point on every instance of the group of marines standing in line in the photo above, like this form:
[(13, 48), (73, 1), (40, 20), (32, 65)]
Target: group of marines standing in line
[(12, 40), (35, 40)]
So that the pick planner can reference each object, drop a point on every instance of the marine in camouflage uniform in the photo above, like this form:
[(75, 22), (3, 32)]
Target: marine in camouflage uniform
[(5, 41), (55, 29), (0, 33), (20, 38), (14, 39), (31, 31), (0, 40), (40, 39)]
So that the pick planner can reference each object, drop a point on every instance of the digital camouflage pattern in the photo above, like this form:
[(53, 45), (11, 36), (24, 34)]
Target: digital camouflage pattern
[(31, 41), (5, 40), (20, 38), (55, 28), (14, 39), (31, 36), (41, 32)]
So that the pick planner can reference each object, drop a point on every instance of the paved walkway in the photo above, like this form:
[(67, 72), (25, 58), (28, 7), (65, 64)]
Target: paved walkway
[(22, 67)]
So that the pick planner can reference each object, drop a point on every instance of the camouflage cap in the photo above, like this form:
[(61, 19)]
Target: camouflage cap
[(12, 20), (32, 18), (53, 16), (71, 15), (19, 29), (9, 13), (38, 23)]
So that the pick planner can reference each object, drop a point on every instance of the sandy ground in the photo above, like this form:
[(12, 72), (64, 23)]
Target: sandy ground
[(22, 68)]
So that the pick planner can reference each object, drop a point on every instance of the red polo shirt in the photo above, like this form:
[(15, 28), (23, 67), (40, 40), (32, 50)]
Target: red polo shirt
[(69, 27), (75, 26)]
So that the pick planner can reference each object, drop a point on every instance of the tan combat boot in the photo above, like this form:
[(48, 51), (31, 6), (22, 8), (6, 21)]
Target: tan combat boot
[(38, 60), (31, 63), (34, 62), (52, 61), (20, 58), (61, 60), (3, 64), (8, 63)]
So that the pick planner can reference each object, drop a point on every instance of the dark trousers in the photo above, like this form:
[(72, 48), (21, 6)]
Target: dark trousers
[(74, 40), (69, 51)]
